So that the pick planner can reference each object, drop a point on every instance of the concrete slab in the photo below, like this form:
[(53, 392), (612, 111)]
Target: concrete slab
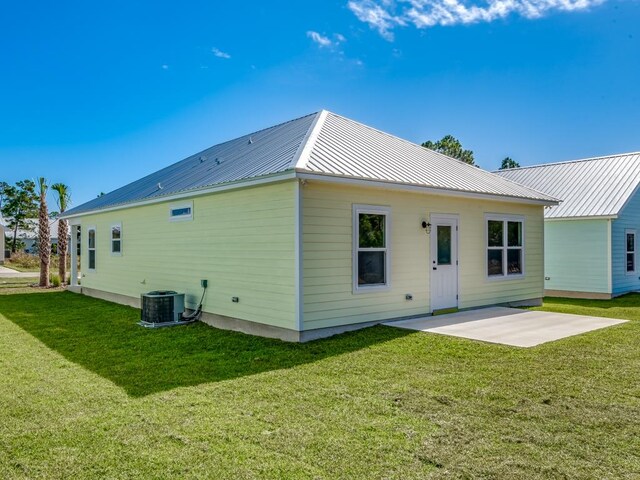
[(6, 272), (508, 326)]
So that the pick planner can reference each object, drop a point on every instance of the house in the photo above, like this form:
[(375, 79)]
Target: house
[(591, 238), (2, 247), (312, 227), (29, 236)]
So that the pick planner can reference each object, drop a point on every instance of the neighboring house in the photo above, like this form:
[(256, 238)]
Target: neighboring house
[(29, 237), (591, 238), (3, 253), (315, 226)]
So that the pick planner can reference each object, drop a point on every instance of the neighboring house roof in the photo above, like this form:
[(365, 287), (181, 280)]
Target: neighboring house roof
[(593, 187), (321, 144), (33, 233)]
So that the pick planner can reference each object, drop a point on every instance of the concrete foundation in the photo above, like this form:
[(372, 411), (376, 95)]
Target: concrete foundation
[(572, 294), (263, 330)]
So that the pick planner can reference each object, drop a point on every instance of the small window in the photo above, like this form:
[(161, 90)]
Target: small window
[(630, 236), (371, 247), (116, 239), (505, 246), (181, 212), (91, 247)]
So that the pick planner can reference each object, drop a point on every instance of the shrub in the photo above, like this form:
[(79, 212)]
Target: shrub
[(24, 260), (54, 280)]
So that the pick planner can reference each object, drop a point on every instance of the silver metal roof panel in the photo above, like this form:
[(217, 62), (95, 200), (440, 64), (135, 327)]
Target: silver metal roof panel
[(322, 143), (593, 187)]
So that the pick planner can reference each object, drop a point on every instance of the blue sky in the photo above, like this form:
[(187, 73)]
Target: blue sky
[(96, 95)]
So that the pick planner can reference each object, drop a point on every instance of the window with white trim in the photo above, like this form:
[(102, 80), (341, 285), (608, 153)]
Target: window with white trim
[(630, 240), (180, 212), (91, 247), (505, 246), (371, 234), (116, 239)]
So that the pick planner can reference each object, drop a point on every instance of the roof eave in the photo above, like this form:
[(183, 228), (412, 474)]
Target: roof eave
[(343, 179), (265, 179), (586, 217)]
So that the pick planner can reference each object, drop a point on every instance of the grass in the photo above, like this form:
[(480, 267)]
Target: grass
[(85, 392)]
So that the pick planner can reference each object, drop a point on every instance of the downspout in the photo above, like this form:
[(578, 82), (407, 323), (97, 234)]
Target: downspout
[(298, 266), (609, 257)]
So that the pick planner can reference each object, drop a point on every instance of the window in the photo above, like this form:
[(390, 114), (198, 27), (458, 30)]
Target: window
[(630, 237), (371, 229), (505, 246), (180, 212), (91, 247), (116, 239)]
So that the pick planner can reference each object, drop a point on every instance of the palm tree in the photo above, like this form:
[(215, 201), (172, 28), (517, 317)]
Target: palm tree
[(64, 199), (44, 240)]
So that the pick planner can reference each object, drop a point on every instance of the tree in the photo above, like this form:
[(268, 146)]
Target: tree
[(64, 199), (18, 204), (451, 146), (509, 162), (44, 236)]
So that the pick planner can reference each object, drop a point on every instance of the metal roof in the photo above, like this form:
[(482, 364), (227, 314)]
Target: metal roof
[(321, 143), (258, 154), (344, 147), (593, 187)]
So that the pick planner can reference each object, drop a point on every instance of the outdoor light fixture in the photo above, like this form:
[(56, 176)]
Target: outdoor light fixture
[(427, 227)]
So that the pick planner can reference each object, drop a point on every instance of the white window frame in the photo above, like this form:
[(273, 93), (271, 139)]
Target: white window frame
[(374, 210), (95, 249), (631, 231), (504, 218), (111, 239), (181, 218)]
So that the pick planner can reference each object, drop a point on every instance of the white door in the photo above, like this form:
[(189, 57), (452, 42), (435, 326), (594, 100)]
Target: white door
[(444, 261)]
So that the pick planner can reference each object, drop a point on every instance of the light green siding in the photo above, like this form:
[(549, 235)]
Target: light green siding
[(577, 257), (327, 254), (241, 241)]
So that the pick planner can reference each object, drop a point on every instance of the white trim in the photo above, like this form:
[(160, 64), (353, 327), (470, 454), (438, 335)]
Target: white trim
[(298, 245), (95, 247), (504, 218), (181, 206), (433, 217), (631, 231), (308, 142), (305, 175), (610, 255), (355, 220), (389, 185), (559, 219), (278, 177), (111, 239)]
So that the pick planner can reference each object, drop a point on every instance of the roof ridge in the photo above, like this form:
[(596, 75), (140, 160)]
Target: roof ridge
[(563, 162), (306, 145)]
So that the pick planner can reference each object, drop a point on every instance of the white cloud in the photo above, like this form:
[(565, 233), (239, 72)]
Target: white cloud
[(219, 53), (321, 40), (385, 15)]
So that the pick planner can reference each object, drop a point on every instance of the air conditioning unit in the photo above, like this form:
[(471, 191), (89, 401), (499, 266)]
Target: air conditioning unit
[(161, 308)]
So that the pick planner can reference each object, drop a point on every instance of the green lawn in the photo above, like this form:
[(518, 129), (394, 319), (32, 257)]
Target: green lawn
[(86, 393)]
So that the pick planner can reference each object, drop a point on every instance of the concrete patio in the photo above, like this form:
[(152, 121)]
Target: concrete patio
[(507, 326)]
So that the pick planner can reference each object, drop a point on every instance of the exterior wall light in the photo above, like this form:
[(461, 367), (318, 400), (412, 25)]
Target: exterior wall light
[(427, 227)]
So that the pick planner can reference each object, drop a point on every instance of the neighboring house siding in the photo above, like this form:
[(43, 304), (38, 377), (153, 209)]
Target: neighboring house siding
[(629, 218), (327, 254), (577, 255), (241, 241)]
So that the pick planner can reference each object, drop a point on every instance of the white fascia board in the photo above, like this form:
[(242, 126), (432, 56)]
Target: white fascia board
[(419, 188), (278, 177), (569, 219)]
